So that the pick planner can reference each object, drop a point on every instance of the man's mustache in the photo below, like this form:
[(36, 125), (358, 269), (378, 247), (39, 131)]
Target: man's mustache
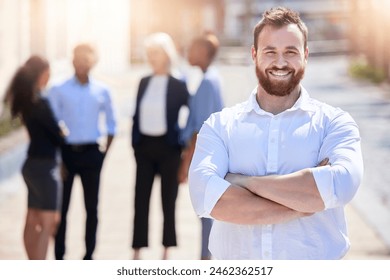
[(280, 69)]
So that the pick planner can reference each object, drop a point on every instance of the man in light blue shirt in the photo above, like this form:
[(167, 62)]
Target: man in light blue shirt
[(81, 102), (276, 171)]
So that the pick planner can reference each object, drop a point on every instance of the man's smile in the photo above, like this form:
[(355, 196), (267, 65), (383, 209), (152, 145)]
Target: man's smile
[(280, 74)]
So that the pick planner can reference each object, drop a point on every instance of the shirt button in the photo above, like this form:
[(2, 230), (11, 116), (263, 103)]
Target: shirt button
[(266, 253)]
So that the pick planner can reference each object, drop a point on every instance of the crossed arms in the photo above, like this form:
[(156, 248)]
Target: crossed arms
[(274, 199), (269, 199)]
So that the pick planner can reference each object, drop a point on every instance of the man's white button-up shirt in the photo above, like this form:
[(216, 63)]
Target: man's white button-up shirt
[(247, 140)]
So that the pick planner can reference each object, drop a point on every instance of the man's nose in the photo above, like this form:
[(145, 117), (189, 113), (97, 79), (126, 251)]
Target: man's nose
[(280, 61)]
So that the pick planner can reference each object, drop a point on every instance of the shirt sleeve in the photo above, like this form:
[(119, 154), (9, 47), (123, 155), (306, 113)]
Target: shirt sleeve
[(339, 182), (208, 169), (205, 102), (110, 114)]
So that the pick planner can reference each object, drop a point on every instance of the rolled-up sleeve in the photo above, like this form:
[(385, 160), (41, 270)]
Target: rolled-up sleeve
[(208, 168), (339, 182)]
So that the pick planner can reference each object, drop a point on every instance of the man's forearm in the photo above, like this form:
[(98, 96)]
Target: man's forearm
[(297, 190), (240, 206)]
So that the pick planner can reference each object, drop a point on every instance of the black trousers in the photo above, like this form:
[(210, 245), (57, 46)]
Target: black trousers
[(154, 156), (85, 161)]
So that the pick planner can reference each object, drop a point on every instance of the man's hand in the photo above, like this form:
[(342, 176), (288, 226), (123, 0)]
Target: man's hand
[(182, 174), (63, 171), (323, 162)]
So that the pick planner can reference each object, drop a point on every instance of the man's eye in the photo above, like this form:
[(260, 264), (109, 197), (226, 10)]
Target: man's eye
[(291, 53)]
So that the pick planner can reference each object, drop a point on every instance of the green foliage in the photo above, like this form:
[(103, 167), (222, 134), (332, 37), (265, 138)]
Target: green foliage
[(7, 124), (362, 70)]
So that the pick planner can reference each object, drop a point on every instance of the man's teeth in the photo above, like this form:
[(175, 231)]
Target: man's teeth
[(279, 73)]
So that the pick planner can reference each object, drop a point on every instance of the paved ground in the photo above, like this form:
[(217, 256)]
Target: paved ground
[(116, 197)]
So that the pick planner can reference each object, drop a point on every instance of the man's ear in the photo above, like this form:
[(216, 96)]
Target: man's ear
[(306, 53), (254, 52)]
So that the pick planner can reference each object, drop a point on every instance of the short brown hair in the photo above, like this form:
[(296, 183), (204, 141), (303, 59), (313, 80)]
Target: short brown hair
[(278, 17), (85, 48)]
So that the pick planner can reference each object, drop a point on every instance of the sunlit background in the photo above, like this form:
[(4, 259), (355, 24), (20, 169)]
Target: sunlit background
[(118, 27), (357, 29)]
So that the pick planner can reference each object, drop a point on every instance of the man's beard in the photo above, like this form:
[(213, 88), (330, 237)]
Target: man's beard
[(279, 88)]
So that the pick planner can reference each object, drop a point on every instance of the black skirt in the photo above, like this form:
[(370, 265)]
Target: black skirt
[(44, 184)]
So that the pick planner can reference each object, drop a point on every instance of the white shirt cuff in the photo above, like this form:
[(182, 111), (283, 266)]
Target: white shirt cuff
[(216, 186), (324, 180)]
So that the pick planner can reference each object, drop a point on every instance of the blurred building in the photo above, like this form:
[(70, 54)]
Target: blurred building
[(369, 36), (182, 19), (52, 28), (327, 21)]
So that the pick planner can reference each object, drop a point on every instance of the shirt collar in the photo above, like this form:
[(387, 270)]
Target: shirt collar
[(303, 103), (77, 82)]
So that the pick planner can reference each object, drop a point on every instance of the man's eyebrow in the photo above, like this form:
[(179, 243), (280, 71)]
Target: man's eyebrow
[(292, 48), (267, 48)]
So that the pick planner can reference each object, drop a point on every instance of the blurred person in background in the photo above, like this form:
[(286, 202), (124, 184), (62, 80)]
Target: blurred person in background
[(155, 140), (79, 102), (206, 100), (41, 169)]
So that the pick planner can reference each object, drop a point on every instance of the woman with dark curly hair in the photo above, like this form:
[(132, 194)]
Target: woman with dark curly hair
[(41, 169)]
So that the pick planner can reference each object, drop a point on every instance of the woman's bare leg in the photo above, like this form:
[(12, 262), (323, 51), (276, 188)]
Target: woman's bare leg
[(40, 227), (49, 223), (31, 233)]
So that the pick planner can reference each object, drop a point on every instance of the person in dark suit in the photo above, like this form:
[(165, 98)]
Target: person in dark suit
[(155, 140), (41, 169)]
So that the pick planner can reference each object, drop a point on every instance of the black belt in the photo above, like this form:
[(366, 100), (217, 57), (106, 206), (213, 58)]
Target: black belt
[(80, 147)]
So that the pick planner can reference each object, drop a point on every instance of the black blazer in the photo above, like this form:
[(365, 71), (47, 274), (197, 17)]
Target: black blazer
[(45, 134), (177, 96)]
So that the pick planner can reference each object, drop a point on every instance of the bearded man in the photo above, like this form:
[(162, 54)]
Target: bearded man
[(276, 171)]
